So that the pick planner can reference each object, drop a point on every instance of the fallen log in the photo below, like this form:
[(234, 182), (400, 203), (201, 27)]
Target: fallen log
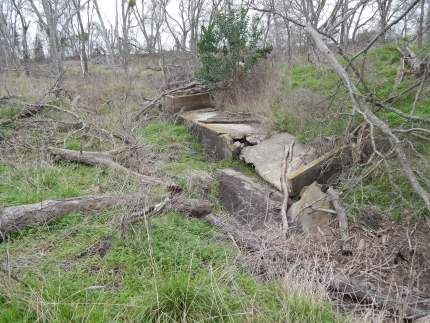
[(15, 218), (101, 158)]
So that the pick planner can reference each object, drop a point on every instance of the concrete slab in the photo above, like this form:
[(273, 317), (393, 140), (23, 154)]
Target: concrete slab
[(221, 140)]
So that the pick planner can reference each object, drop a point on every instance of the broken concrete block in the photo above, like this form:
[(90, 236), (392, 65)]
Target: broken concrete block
[(219, 139), (304, 210), (175, 103), (251, 203), (268, 154), (304, 168), (319, 169)]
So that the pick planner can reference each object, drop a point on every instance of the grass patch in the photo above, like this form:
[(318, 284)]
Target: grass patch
[(31, 184), (87, 144), (174, 272), (163, 135), (389, 191), (306, 131), (8, 111), (188, 153), (303, 109), (323, 81)]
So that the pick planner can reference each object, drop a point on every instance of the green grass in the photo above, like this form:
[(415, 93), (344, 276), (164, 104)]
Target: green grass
[(87, 144), (187, 157), (382, 64), (323, 81), (387, 190), (305, 127), (306, 131), (164, 135), (30, 184), (187, 153), (175, 271), (8, 111)]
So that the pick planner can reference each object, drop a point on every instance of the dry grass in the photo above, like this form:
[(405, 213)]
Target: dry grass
[(253, 93)]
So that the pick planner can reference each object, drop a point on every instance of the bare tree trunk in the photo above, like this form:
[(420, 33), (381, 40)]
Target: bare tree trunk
[(420, 29), (50, 10), (384, 8), (82, 39), (343, 26), (25, 26), (7, 38), (105, 35), (125, 45), (426, 35)]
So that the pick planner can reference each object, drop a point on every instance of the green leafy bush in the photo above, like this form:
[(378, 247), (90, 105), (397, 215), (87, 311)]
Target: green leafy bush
[(229, 46)]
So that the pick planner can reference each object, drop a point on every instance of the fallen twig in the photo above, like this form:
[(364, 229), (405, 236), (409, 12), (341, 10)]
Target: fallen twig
[(341, 212), (286, 186)]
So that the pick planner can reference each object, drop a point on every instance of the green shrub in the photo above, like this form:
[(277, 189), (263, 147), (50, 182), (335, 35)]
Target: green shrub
[(229, 46)]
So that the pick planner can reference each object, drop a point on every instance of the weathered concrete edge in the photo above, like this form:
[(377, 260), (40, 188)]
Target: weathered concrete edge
[(249, 201), (308, 173), (218, 144), (187, 102)]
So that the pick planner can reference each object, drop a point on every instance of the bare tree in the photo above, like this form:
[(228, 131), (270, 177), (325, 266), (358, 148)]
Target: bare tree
[(49, 20), (150, 19), (105, 35), (7, 34), (384, 9), (126, 9), (420, 29), (82, 37), (19, 8), (185, 28), (426, 32)]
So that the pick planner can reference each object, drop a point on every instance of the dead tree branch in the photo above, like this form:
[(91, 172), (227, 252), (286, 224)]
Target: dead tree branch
[(383, 31), (151, 103), (286, 187), (33, 109), (361, 107), (99, 158), (341, 212)]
